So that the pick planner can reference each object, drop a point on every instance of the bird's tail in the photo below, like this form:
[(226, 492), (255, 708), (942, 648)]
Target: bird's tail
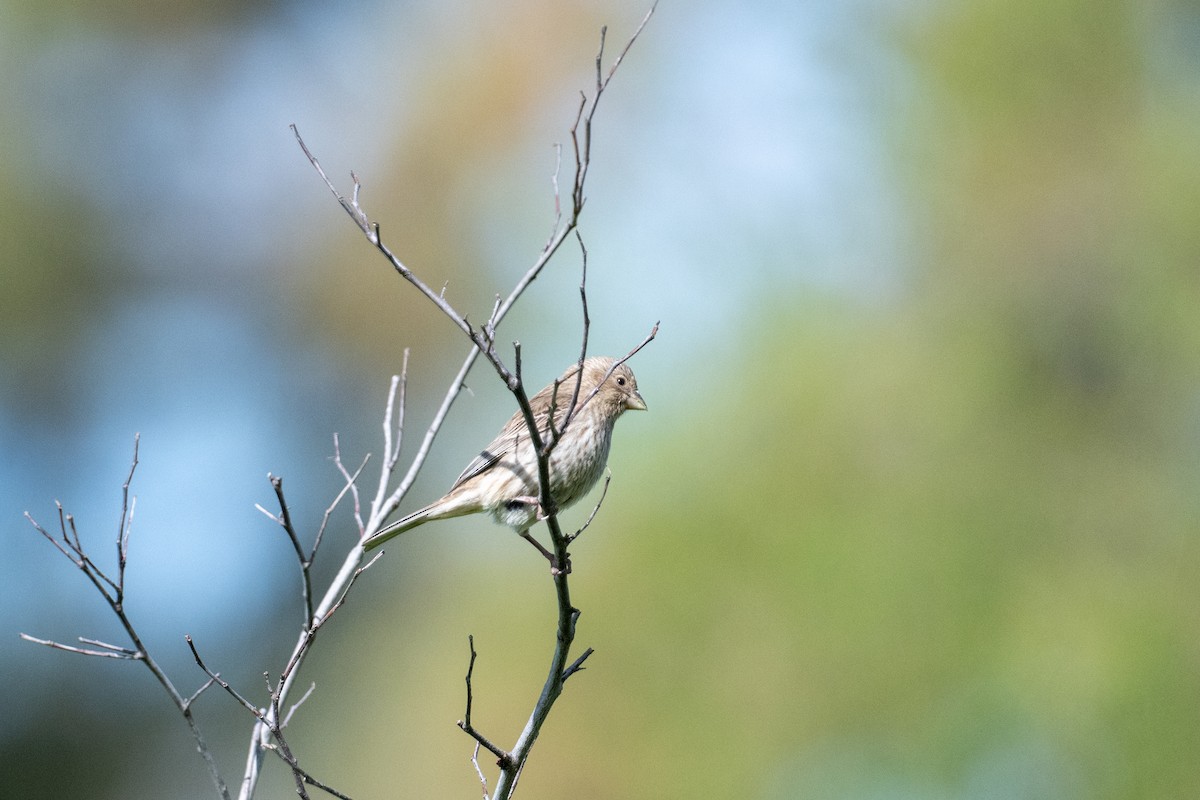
[(396, 528), (449, 506)]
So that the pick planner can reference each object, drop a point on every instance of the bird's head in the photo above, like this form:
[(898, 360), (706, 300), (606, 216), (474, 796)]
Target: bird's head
[(618, 393)]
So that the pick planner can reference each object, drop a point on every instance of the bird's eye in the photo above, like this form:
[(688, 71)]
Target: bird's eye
[(620, 381)]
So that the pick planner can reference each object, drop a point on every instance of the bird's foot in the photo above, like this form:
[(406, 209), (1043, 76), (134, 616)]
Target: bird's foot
[(555, 567), (529, 500)]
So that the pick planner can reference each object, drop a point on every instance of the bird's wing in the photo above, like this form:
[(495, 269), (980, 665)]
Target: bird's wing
[(503, 446), (514, 434), (481, 464)]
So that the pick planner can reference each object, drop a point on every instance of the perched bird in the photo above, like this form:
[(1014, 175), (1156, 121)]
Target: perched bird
[(503, 479)]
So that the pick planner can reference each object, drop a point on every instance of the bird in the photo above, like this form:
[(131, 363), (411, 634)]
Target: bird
[(503, 479)]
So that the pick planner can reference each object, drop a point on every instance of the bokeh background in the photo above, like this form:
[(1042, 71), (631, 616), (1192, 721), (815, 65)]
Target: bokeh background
[(914, 511)]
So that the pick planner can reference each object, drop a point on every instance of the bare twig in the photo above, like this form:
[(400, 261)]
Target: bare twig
[(372, 232), (212, 676), (576, 665), (555, 432), (380, 511), (595, 509), (616, 363), (296, 705), (285, 521), (351, 486), (126, 524), (478, 771), (281, 746), (112, 652), (268, 723), (352, 207), (203, 688), (503, 759)]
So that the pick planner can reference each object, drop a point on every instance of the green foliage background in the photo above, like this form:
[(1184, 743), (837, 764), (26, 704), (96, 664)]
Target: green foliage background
[(938, 541)]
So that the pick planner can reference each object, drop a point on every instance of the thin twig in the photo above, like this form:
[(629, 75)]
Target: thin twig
[(296, 705), (285, 521), (203, 688), (216, 678), (380, 512), (595, 509), (127, 508), (120, 653), (503, 759), (577, 664), (478, 771), (352, 207), (113, 647), (394, 410), (556, 431), (351, 485), (281, 746), (616, 363)]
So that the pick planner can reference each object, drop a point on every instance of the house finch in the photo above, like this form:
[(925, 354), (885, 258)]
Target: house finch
[(503, 479)]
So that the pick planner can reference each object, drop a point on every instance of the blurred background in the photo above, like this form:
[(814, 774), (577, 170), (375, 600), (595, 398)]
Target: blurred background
[(914, 510)]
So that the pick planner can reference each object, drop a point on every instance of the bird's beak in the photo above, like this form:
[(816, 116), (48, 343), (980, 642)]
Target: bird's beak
[(635, 402)]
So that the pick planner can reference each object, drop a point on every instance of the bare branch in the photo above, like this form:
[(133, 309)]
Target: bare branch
[(341, 600), (311, 781), (396, 394), (600, 87), (568, 615), (554, 182), (113, 593), (269, 515), (270, 720), (372, 232)]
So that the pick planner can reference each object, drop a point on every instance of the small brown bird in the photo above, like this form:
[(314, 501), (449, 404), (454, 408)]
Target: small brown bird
[(503, 479)]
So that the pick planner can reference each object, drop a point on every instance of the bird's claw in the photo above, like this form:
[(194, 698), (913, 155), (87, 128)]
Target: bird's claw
[(556, 568), (541, 514)]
